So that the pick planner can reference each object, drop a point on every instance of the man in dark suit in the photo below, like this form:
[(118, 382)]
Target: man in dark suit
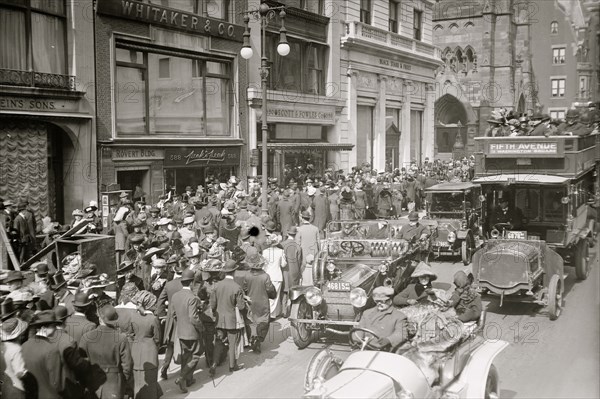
[(42, 357), (166, 295), (78, 324), (293, 255), (225, 298), (108, 349), (185, 307), (507, 214)]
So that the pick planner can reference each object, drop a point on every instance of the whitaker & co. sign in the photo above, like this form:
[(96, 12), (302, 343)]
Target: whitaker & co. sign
[(171, 18)]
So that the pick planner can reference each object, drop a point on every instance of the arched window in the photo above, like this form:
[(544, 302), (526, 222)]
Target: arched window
[(469, 25), (471, 59), (460, 59), (553, 28), (438, 27), (453, 27)]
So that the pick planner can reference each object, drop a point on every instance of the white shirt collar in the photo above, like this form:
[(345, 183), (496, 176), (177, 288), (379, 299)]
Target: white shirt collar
[(229, 277)]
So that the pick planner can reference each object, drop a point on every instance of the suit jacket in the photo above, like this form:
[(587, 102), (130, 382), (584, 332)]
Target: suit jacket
[(293, 271), (321, 211), (286, 215), (77, 325), (75, 366), (226, 296), (43, 361), (185, 307), (260, 289), (308, 239), (166, 295), (109, 352)]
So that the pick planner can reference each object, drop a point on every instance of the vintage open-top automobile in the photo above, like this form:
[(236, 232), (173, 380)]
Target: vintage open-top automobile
[(454, 213), (548, 223), (356, 257), (463, 370)]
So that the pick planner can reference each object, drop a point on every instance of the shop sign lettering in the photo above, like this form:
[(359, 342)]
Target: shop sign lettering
[(170, 17), (127, 154), (527, 148), (202, 156), (394, 64), (322, 115), (26, 104)]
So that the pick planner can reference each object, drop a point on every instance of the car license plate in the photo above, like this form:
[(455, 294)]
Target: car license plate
[(338, 286), (516, 235), (442, 244)]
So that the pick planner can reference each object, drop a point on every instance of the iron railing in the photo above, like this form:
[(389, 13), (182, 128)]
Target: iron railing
[(14, 77)]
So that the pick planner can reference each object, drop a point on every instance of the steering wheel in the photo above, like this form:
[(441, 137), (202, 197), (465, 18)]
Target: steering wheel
[(356, 339), (353, 247)]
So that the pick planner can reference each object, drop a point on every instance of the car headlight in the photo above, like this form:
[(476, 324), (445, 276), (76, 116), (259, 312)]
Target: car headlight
[(313, 296), (330, 267), (451, 237), (358, 297)]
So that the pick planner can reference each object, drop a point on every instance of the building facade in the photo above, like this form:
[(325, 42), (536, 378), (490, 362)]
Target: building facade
[(486, 65), (47, 107), (169, 90), (388, 64), (566, 54)]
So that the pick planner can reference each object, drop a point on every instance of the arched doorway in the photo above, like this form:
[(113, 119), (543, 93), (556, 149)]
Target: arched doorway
[(32, 155), (450, 126)]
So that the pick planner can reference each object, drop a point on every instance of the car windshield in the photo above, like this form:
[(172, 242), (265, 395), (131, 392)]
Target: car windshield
[(445, 203), (357, 274)]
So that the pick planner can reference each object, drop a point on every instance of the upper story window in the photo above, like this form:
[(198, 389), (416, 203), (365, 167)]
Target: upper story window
[(558, 55), (33, 36), (365, 11), (558, 87), (314, 6), (553, 27), (219, 9), (394, 16), (302, 70), (560, 114), (417, 24), (163, 95)]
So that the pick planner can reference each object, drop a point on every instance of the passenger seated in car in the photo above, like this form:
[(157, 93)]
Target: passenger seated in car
[(465, 299), (388, 322), (419, 290)]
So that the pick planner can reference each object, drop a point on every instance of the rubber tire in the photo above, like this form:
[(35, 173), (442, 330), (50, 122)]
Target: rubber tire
[(582, 267), (555, 288), (467, 245), (492, 384), (301, 335)]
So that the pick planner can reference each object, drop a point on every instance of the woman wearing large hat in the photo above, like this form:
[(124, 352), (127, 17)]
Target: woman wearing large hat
[(261, 291), (11, 331), (420, 289), (346, 204)]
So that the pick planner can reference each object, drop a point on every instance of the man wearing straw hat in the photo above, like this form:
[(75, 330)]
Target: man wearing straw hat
[(42, 357), (109, 349)]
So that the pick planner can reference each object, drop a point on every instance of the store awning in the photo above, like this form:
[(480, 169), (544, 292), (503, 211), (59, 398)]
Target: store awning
[(302, 147)]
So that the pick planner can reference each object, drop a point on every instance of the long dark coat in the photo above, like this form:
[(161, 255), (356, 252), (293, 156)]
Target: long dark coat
[(144, 351), (109, 350), (286, 215), (171, 288), (260, 289), (77, 325), (293, 256), (321, 211), (43, 361)]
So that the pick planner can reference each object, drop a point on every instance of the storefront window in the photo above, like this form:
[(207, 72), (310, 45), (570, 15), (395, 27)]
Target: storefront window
[(185, 96), (220, 9), (46, 41), (302, 70)]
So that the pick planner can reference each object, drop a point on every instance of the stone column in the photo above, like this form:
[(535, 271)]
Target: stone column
[(379, 126), (351, 104), (428, 123), (405, 142)]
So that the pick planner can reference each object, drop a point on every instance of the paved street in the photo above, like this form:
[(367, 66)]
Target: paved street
[(560, 358)]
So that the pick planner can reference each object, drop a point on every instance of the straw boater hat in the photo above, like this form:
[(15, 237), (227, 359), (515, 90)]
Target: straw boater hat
[(153, 251), (188, 220), (159, 263), (423, 269), (163, 222), (12, 328), (255, 261)]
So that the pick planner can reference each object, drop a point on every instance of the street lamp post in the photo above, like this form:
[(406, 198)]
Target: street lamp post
[(264, 13)]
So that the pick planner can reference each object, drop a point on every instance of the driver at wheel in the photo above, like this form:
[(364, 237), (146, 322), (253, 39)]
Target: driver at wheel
[(388, 322), (507, 214)]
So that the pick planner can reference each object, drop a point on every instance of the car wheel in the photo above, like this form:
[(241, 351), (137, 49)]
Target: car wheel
[(555, 297), (301, 334), (467, 248), (582, 267), (492, 386)]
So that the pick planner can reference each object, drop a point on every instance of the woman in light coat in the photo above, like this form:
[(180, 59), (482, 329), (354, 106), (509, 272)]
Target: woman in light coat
[(276, 261)]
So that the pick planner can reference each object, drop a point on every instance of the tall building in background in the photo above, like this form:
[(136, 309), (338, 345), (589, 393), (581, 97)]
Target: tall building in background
[(47, 105), (388, 64), (487, 64), (565, 54)]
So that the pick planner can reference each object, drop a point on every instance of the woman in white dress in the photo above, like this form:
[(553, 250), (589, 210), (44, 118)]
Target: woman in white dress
[(275, 257)]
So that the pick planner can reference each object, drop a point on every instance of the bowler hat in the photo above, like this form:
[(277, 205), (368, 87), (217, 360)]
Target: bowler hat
[(154, 209), (413, 217), (61, 313), (81, 300), (41, 268), (7, 309), (125, 266), (293, 231), (270, 226), (187, 275), (305, 215), (108, 314), (44, 318)]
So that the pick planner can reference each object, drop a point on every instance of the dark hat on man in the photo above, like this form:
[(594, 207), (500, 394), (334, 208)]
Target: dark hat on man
[(7, 309), (154, 209), (13, 275), (208, 229), (44, 318), (187, 275), (305, 215), (188, 188), (243, 204), (271, 226), (230, 266), (293, 231), (108, 314), (81, 300), (413, 216), (136, 238), (41, 268), (61, 313)]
